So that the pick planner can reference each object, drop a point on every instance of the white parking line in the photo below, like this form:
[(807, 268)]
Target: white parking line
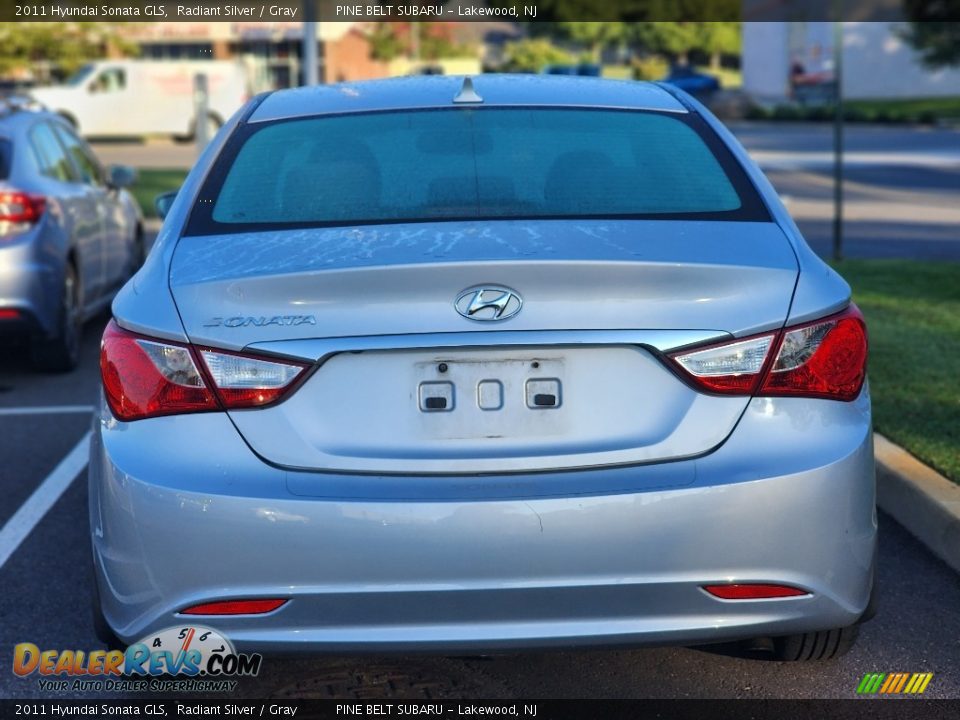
[(32, 511), (47, 410)]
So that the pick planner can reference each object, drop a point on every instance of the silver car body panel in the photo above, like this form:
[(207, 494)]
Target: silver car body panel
[(583, 275), (439, 91), (183, 512)]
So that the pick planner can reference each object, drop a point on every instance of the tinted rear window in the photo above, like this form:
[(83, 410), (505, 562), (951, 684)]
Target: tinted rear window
[(473, 163)]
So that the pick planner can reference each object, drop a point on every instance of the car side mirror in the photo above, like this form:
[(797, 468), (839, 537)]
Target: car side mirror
[(121, 176), (163, 203)]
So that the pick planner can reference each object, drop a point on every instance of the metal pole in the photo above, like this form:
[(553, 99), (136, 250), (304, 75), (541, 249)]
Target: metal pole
[(309, 54), (201, 103), (838, 136)]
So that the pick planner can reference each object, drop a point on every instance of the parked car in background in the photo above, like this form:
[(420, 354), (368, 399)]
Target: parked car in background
[(459, 365), (689, 80), (583, 69), (70, 234), (122, 98)]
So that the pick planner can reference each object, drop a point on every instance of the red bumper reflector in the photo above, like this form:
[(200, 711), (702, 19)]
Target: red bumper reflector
[(235, 607), (7, 314), (753, 592)]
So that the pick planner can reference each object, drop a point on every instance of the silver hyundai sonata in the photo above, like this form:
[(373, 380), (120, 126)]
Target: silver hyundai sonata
[(459, 364)]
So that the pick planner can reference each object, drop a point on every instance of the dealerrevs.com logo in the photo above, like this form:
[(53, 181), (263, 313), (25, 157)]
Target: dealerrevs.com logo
[(179, 659)]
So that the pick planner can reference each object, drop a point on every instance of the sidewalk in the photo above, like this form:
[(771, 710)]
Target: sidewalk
[(920, 499)]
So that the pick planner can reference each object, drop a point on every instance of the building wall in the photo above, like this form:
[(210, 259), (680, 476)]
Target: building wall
[(878, 64), (765, 61), (348, 58)]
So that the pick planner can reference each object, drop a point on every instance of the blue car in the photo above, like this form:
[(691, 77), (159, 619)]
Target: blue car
[(691, 81), (470, 364), (70, 234)]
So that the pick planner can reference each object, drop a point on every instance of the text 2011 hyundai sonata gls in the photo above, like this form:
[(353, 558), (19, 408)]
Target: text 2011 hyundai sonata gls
[(449, 365)]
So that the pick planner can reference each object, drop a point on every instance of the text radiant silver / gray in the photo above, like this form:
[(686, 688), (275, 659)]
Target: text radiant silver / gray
[(569, 376)]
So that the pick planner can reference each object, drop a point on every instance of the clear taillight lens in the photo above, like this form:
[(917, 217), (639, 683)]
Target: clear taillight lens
[(826, 358), (243, 381), (147, 377), (729, 368)]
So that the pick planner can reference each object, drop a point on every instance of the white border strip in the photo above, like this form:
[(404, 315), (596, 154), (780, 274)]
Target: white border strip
[(47, 410), (28, 515)]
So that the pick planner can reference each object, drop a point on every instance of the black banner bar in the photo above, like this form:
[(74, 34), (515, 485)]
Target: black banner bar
[(381, 709), (537, 11)]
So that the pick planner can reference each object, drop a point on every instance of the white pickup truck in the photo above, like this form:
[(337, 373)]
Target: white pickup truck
[(142, 97)]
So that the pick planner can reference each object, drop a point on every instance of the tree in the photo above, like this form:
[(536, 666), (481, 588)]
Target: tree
[(594, 35), (67, 46), (933, 31), (673, 39), (386, 43), (533, 55), (718, 38)]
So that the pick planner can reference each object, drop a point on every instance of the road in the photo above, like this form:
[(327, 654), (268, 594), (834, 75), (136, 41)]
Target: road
[(48, 576), (902, 183)]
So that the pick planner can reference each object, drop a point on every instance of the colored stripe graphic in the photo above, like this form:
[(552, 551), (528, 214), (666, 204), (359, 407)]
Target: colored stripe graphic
[(894, 683), (871, 683)]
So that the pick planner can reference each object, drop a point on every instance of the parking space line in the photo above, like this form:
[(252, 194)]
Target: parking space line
[(47, 410), (43, 498)]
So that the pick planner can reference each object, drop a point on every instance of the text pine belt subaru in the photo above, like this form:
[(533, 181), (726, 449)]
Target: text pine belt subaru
[(481, 364)]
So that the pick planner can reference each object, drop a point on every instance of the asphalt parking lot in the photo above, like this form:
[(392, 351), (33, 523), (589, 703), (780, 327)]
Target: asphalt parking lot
[(47, 580)]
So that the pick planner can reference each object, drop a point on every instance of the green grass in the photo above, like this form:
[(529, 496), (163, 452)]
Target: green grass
[(152, 182), (913, 318), (945, 107)]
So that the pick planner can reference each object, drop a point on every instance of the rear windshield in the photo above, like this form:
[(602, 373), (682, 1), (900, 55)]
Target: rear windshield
[(458, 164)]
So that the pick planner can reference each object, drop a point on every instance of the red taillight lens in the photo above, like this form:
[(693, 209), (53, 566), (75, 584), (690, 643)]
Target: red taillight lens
[(825, 359), (235, 607), (21, 207), (9, 314), (148, 378), (753, 591), (145, 377)]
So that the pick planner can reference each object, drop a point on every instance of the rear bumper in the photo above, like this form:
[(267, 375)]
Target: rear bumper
[(183, 512)]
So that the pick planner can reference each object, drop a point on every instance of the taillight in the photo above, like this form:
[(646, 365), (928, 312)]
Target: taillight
[(235, 607), (754, 591), (19, 210), (826, 358), (146, 377), (243, 381), (730, 368)]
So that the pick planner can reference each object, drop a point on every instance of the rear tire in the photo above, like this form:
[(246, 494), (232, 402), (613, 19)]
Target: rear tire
[(62, 352), (813, 646)]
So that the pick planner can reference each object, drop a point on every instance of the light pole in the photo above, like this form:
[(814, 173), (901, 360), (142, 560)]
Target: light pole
[(309, 53), (838, 135)]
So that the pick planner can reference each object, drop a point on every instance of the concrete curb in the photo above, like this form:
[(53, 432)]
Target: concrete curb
[(920, 499)]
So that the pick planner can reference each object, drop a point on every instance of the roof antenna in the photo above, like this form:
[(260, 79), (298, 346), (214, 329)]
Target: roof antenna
[(467, 94)]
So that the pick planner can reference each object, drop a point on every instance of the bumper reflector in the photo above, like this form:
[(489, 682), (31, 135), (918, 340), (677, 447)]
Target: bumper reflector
[(9, 314), (753, 592), (235, 607)]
